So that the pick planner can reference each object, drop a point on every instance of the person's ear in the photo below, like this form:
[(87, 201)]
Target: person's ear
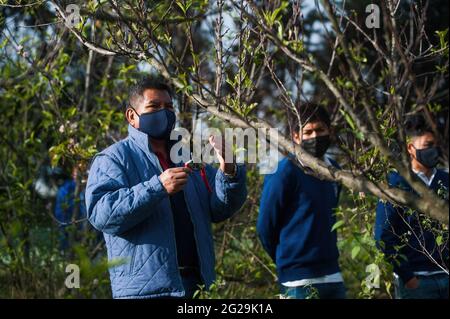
[(411, 150), (296, 137), (132, 117)]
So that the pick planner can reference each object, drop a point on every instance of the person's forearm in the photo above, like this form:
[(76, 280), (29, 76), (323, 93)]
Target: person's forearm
[(116, 211)]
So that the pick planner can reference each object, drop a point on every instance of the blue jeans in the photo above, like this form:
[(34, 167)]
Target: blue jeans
[(335, 290), (430, 287)]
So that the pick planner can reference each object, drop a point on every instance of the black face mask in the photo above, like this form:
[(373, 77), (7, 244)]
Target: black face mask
[(428, 157), (316, 146)]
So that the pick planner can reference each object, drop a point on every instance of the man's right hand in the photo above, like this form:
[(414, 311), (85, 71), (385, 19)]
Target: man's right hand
[(174, 179), (413, 283)]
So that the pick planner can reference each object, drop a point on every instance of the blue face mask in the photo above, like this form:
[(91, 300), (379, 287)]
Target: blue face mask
[(157, 125)]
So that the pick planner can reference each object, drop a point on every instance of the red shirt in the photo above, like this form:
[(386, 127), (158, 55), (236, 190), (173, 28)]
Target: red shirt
[(164, 164)]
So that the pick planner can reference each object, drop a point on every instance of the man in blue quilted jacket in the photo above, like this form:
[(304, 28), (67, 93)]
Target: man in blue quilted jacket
[(156, 215)]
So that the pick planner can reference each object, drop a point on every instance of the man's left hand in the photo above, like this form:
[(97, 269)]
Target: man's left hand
[(218, 145)]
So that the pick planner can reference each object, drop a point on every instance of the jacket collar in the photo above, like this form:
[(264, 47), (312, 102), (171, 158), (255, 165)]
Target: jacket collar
[(140, 138)]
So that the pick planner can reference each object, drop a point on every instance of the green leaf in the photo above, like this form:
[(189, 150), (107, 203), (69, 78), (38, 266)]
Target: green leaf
[(271, 17), (442, 38), (337, 225), (349, 85), (349, 120), (355, 251), (392, 90), (72, 111), (184, 5)]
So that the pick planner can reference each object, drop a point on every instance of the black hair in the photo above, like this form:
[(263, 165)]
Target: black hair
[(310, 112), (416, 125), (149, 82)]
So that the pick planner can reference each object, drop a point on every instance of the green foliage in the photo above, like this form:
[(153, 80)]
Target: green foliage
[(43, 121), (361, 262), (443, 41), (243, 268), (271, 17)]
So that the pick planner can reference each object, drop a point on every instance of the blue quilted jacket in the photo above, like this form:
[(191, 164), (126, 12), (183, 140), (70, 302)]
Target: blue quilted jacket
[(127, 202)]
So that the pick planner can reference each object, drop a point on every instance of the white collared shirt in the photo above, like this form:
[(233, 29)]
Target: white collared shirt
[(336, 277), (425, 178), (424, 273)]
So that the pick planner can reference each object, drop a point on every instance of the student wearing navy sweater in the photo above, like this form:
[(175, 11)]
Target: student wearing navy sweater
[(297, 214), (419, 258)]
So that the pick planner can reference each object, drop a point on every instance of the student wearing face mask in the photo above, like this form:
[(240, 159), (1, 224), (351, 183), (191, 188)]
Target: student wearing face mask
[(156, 215), (297, 214), (408, 239)]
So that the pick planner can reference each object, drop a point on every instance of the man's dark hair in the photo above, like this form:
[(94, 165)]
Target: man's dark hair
[(155, 82), (310, 112), (416, 125)]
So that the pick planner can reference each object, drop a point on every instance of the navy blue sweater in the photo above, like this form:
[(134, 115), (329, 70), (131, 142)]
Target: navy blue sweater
[(295, 220), (401, 235)]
